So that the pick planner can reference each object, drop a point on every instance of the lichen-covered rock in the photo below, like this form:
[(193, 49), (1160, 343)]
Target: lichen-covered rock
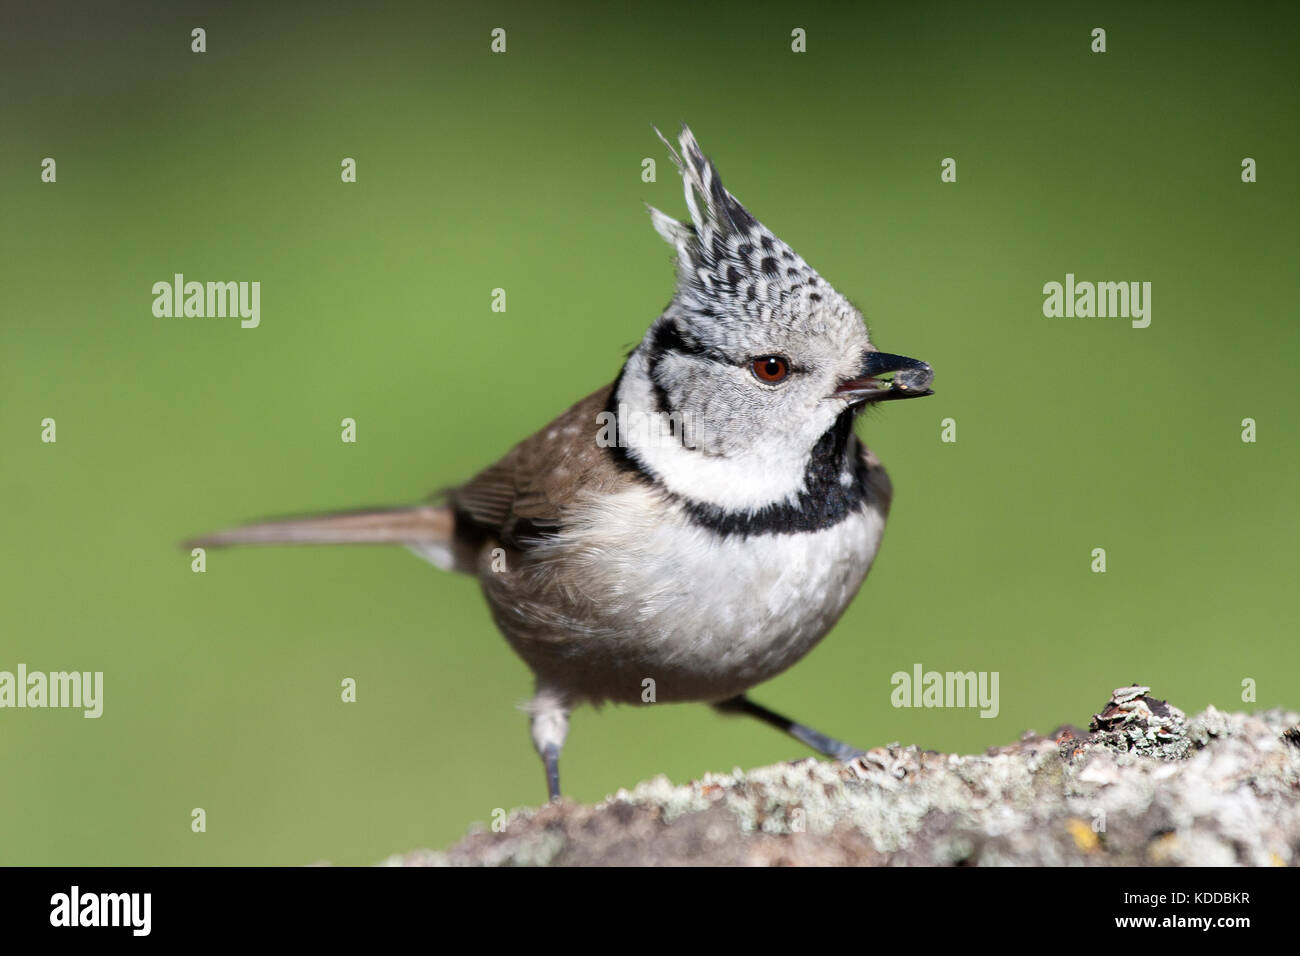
[(1134, 721), (1143, 786)]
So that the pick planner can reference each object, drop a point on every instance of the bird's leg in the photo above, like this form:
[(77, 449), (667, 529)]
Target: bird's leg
[(828, 746), (551, 763), (550, 725)]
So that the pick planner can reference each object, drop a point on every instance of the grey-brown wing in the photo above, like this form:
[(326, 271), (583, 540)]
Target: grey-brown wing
[(524, 495), (488, 499)]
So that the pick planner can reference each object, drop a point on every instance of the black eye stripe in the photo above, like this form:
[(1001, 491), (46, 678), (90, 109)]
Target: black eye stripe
[(668, 338)]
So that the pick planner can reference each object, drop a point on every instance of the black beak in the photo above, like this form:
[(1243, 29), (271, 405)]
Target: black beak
[(911, 379)]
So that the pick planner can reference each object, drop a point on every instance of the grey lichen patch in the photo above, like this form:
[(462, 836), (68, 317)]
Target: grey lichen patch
[(1210, 723), (1134, 721), (1143, 786)]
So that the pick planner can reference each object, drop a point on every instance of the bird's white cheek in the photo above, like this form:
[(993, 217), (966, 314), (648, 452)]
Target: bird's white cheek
[(751, 476)]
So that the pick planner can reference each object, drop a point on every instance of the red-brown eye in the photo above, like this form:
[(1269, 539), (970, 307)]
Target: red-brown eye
[(771, 369)]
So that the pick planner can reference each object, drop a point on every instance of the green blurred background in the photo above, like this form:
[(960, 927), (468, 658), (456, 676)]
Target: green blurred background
[(523, 171)]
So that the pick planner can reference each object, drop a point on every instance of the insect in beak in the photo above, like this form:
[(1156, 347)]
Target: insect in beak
[(883, 377)]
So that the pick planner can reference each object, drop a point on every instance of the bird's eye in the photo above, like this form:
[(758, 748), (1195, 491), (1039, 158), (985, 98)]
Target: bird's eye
[(771, 369)]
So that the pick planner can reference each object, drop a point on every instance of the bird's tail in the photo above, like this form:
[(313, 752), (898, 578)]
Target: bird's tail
[(419, 526)]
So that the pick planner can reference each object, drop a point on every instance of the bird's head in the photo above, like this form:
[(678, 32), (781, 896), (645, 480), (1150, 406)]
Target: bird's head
[(757, 355)]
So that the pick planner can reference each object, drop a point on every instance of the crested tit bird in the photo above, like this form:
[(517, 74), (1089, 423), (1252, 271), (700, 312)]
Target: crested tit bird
[(700, 524)]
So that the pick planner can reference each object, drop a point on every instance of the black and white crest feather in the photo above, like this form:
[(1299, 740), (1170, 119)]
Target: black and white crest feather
[(729, 265)]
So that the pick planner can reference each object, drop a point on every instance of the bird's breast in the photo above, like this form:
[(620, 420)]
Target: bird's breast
[(635, 591)]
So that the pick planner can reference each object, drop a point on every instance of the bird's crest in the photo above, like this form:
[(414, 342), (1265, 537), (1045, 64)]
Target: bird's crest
[(728, 263)]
